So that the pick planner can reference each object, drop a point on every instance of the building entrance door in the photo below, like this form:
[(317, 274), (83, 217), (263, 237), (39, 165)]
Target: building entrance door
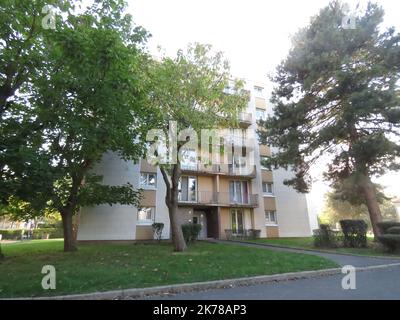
[(200, 217)]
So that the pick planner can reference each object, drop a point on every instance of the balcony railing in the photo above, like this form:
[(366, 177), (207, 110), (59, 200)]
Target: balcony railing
[(245, 118), (223, 169), (224, 199)]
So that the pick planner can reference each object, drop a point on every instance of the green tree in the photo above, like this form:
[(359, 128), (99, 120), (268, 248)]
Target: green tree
[(22, 58), (336, 209), (337, 96), (86, 98), (191, 90)]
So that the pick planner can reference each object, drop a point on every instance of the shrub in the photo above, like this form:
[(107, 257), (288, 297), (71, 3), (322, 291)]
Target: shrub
[(191, 232), (393, 230), (324, 237), (157, 230), (355, 233), (385, 225), (14, 234), (229, 234), (390, 241), (53, 233), (253, 234)]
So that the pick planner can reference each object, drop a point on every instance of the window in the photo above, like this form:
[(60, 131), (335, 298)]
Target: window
[(237, 137), (260, 114), (238, 192), (268, 188), (188, 189), (259, 91), (238, 165), (189, 160), (264, 165), (237, 221), (270, 217), (148, 180), (145, 215)]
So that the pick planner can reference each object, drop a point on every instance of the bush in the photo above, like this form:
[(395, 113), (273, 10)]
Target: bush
[(157, 230), (384, 226), (229, 234), (390, 241), (355, 233), (13, 234), (53, 233), (324, 237), (393, 230), (36, 233), (191, 232), (253, 234)]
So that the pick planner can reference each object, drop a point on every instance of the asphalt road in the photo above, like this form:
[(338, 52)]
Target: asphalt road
[(371, 284)]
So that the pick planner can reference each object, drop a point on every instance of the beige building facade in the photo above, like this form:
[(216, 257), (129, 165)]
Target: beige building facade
[(225, 199)]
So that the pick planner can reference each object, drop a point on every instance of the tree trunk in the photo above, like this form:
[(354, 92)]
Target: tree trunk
[(69, 239), (372, 204), (176, 230), (171, 200)]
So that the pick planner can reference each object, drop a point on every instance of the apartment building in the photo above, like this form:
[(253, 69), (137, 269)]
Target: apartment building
[(225, 198)]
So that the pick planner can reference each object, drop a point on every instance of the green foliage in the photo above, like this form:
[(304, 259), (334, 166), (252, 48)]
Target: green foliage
[(50, 233), (384, 226), (253, 234), (355, 233), (40, 233), (158, 229), (191, 90), (394, 230), (337, 95), (337, 208), (390, 241), (390, 237), (69, 96), (324, 237), (14, 234), (191, 232)]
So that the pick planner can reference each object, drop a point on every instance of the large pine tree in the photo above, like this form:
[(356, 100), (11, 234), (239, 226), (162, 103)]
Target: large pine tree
[(337, 96)]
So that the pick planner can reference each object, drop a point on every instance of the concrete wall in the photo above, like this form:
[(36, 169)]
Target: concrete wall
[(291, 207), (117, 222)]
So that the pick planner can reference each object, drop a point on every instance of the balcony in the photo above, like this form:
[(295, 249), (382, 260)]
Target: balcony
[(222, 199), (245, 119), (221, 169)]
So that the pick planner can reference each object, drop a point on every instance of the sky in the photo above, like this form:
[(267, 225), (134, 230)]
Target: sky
[(253, 34)]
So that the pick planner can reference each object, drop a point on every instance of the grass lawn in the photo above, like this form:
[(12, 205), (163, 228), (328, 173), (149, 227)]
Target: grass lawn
[(116, 266), (307, 243)]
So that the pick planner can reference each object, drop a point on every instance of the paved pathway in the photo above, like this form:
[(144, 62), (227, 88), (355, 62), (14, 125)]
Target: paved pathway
[(371, 284)]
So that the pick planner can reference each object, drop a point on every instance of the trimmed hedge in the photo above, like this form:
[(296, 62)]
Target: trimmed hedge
[(390, 237), (42, 233), (355, 233), (393, 230), (13, 234), (324, 237), (390, 241), (384, 226), (191, 232), (253, 234)]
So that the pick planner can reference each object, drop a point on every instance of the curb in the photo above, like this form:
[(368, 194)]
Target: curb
[(306, 249), (202, 286)]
